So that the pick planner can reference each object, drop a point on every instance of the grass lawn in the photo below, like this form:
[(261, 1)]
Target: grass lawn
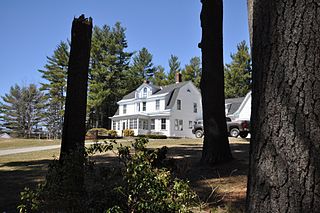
[(227, 181), (20, 143)]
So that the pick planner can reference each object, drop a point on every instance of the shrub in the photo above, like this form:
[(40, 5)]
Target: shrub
[(149, 187), (112, 133), (143, 184), (128, 133), (94, 131), (102, 133)]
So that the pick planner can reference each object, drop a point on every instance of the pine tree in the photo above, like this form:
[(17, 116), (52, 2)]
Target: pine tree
[(192, 71), (237, 74), (174, 66), (160, 77), (108, 75), (22, 110), (142, 68), (55, 73)]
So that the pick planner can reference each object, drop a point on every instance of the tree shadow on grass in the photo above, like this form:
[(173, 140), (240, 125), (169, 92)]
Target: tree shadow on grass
[(15, 176), (216, 185)]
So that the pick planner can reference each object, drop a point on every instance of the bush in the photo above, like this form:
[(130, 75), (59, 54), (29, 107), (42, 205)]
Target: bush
[(143, 184), (112, 133), (102, 133), (94, 131), (153, 136), (128, 133)]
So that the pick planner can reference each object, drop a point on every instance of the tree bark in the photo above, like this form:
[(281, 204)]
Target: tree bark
[(215, 145), (250, 18), (73, 136), (76, 98), (284, 174)]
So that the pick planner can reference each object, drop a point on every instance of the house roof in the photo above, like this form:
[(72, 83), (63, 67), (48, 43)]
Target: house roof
[(132, 94), (159, 90), (234, 104)]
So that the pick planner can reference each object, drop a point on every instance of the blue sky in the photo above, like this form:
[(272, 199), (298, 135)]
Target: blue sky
[(31, 30)]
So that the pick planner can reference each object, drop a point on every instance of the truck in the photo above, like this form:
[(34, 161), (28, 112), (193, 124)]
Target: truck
[(235, 128)]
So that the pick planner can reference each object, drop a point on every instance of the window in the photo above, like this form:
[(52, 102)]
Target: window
[(124, 109), (178, 125), (157, 104), (145, 90), (190, 124), (178, 104), (138, 107), (163, 123), (143, 124), (152, 124), (133, 124), (144, 106), (195, 107), (118, 124), (114, 125)]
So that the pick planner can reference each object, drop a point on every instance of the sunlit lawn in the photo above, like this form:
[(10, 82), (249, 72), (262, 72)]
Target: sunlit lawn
[(20, 143)]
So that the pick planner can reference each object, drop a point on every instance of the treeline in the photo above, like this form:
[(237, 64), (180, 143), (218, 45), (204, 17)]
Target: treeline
[(114, 71)]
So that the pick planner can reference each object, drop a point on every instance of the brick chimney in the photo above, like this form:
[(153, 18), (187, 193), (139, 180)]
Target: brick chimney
[(178, 77), (146, 81)]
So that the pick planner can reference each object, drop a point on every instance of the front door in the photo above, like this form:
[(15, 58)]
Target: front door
[(123, 125)]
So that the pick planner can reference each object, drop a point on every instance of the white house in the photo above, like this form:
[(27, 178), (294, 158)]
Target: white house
[(169, 110), (239, 108)]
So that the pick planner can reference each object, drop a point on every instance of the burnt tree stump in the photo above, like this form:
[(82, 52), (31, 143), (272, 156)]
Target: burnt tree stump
[(73, 134)]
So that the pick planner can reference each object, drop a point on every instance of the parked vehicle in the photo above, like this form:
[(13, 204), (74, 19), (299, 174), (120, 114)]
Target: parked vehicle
[(235, 128)]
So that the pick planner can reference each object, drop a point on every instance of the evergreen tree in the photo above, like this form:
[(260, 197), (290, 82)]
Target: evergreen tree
[(142, 68), (192, 71), (174, 66), (160, 77), (237, 74), (22, 110), (55, 73), (108, 79)]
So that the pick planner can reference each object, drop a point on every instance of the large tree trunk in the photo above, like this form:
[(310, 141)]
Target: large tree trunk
[(215, 145), (284, 171), (73, 136), (250, 18)]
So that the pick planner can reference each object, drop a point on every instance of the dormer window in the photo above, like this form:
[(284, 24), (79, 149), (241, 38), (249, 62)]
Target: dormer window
[(145, 91)]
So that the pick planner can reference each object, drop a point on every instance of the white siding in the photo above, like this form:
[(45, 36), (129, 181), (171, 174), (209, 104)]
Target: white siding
[(188, 94), (245, 111), (187, 111)]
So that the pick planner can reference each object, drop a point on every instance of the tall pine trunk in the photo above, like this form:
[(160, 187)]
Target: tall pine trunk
[(73, 136), (250, 18), (284, 173), (215, 145)]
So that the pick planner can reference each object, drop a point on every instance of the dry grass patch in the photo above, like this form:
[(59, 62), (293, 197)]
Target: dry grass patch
[(22, 143), (228, 180)]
